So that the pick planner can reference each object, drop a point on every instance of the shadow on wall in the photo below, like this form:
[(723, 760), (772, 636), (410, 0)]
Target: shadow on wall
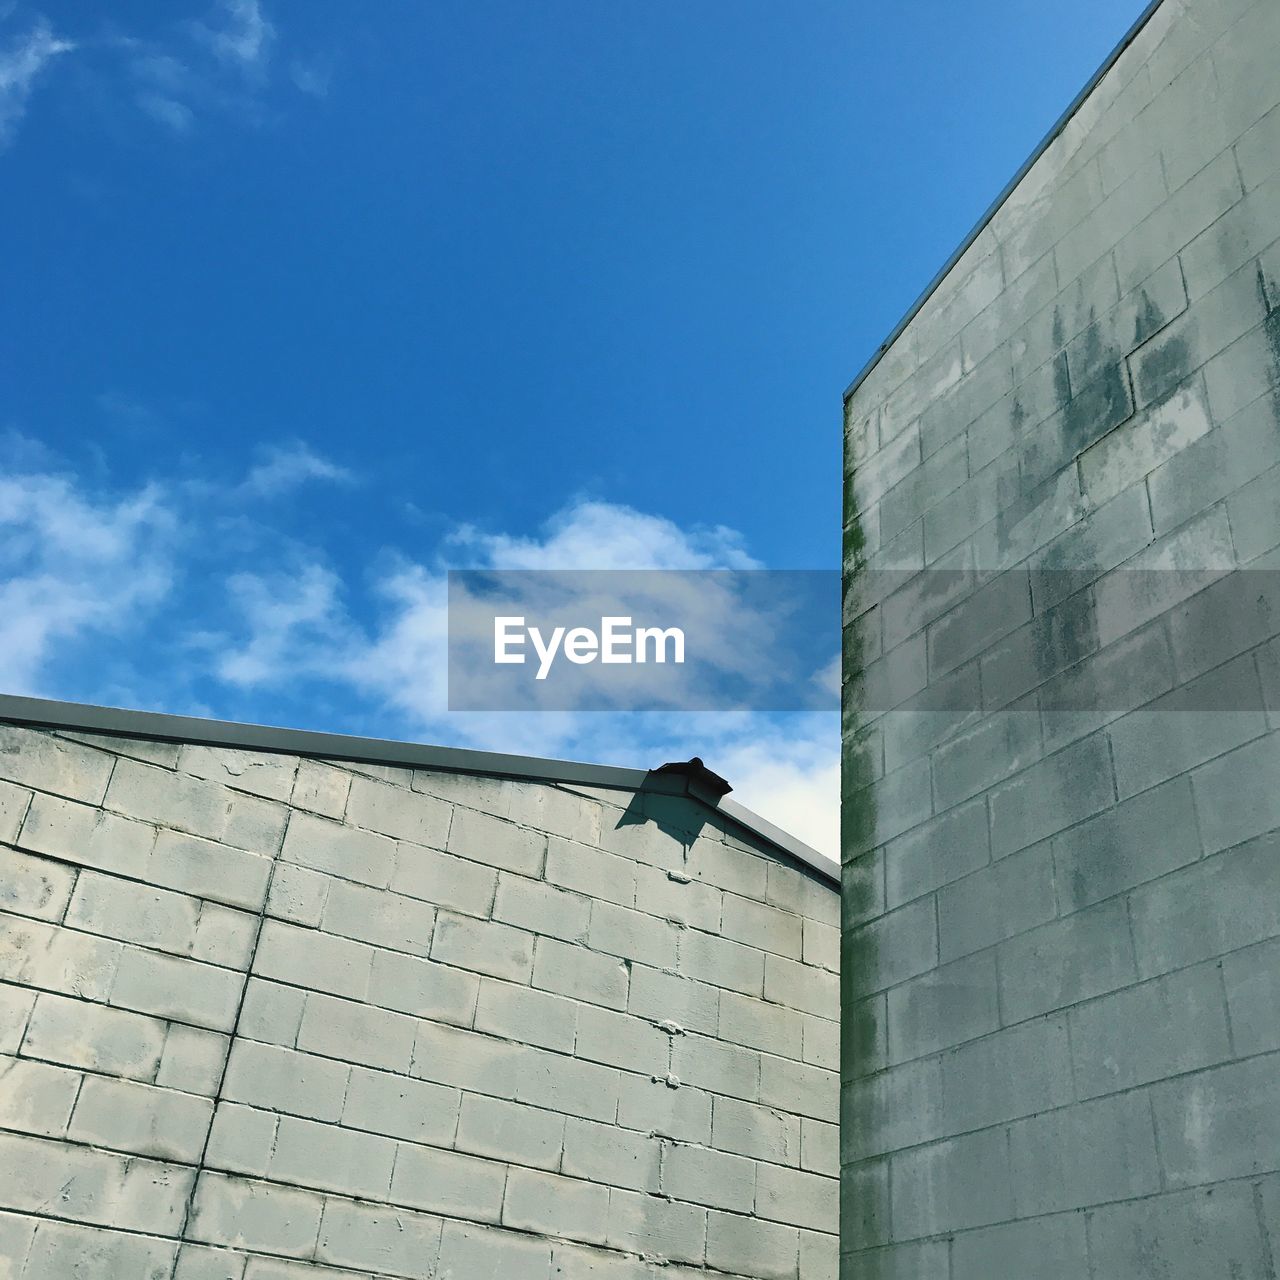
[(674, 816)]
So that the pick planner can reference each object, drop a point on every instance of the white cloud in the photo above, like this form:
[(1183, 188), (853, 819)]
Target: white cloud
[(160, 71), (221, 66), (791, 777), (286, 468), (785, 767), (311, 78), (71, 567), (169, 112), (289, 618), (21, 64), (165, 84), (77, 565), (245, 40), (603, 535), (405, 661)]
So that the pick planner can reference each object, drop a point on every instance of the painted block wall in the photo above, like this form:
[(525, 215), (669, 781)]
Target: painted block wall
[(1061, 963), (272, 1018)]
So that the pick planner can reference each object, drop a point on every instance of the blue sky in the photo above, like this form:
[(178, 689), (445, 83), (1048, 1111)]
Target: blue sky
[(304, 303)]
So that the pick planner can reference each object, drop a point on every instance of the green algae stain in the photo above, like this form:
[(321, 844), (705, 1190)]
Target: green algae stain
[(862, 1032), (1271, 333)]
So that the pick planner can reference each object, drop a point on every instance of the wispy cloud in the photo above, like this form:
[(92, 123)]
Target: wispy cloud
[(164, 85), (221, 67), (71, 567), (604, 535), (287, 617), (311, 78), (287, 468), (78, 561), (161, 72), (169, 112), (297, 631), (245, 37), (175, 76), (22, 62), (179, 609), (790, 771)]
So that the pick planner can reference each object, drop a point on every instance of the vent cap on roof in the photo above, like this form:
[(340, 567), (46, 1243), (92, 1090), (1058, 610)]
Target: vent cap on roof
[(697, 772)]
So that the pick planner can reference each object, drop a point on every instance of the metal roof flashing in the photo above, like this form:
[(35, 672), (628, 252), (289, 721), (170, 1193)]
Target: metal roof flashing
[(916, 307), (690, 778)]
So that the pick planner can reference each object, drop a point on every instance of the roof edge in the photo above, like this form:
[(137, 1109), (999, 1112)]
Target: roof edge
[(1046, 142), (161, 726)]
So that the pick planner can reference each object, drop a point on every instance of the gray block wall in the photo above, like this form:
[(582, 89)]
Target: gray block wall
[(1061, 844), (272, 1018)]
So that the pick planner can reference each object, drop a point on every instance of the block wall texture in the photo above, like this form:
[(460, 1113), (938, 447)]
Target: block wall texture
[(1061, 935), (271, 1018)]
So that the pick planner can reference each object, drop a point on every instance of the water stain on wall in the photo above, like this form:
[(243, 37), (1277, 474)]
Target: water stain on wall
[(862, 1035)]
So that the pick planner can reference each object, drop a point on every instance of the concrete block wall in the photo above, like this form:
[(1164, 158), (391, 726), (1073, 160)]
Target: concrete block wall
[(267, 1018), (1061, 964)]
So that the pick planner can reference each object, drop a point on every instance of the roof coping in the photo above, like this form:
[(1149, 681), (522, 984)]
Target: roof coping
[(690, 778)]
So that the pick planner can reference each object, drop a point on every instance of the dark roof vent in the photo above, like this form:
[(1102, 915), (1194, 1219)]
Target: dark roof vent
[(697, 772)]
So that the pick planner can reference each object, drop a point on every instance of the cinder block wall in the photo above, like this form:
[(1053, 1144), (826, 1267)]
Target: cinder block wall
[(271, 1018), (1062, 927)]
